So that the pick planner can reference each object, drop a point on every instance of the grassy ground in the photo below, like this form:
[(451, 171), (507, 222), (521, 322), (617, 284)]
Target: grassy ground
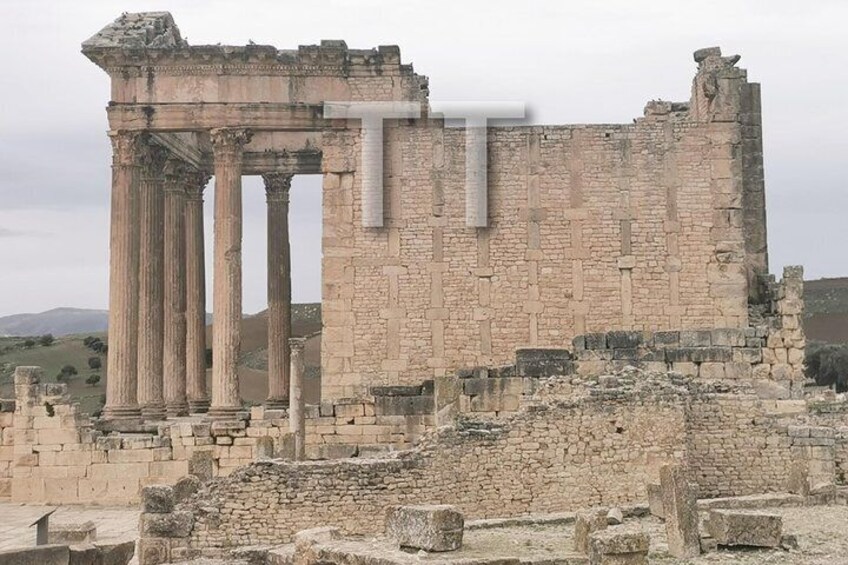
[(253, 373)]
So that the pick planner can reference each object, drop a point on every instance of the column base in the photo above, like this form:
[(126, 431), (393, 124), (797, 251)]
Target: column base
[(224, 412), (198, 406), (121, 412), (276, 403), (176, 409), (152, 412)]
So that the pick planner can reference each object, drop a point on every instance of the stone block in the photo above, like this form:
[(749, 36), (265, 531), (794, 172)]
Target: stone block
[(615, 517), (624, 340), (745, 528), (186, 487), (402, 405), (585, 523), (696, 338), (85, 554), (681, 512), (153, 551), (543, 363), (732, 337), (157, 499), (202, 465), (40, 555), (717, 354), (116, 552), (595, 341), (655, 500), (665, 339), (619, 545), (84, 532), (395, 390), (174, 525), (429, 527)]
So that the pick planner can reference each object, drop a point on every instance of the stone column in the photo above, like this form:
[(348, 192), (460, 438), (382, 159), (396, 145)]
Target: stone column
[(174, 362), (150, 284), (297, 415), (122, 381), (228, 145), (277, 187), (198, 396)]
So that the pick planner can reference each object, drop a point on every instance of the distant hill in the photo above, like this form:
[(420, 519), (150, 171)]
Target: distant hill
[(59, 322), (826, 310)]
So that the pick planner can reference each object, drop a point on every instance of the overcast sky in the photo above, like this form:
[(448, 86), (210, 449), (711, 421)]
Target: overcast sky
[(570, 61)]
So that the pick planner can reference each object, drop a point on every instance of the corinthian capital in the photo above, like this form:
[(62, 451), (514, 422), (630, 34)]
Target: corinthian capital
[(229, 141), (195, 182), (125, 147), (152, 158), (277, 186)]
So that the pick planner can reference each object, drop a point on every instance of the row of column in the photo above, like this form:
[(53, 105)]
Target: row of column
[(157, 314)]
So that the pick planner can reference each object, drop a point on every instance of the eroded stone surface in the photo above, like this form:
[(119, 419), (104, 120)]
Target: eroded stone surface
[(428, 527), (747, 528)]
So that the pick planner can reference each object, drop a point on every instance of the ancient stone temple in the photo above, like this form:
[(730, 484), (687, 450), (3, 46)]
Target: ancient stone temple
[(654, 225)]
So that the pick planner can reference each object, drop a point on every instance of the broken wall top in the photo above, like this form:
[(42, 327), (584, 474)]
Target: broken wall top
[(152, 38)]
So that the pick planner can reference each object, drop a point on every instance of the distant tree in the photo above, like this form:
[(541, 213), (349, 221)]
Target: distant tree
[(93, 380), (94, 363), (29, 343), (69, 370), (87, 341), (46, 340), (61, 377), (828, 365)]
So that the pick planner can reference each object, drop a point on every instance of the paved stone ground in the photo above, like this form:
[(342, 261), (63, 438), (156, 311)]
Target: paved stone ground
[(112, 523)]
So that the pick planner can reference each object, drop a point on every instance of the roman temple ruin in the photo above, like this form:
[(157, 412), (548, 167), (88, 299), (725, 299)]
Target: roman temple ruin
[(587, 320)]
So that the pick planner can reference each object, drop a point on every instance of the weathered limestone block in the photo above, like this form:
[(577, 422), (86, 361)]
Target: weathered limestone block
[(157, 499), (115, 553), (681, 512), (746, 528), (174, 525), (186, 487), (202, 465), (543, 362), (306, 542), (428, 527), (84, 532), (585, 523), (655, 500), (85, 554), (153, 551), (619, 545), (615, 517), (41, 555)]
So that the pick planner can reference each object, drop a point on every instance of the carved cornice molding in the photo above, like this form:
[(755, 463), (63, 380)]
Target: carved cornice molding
[(277, 186)]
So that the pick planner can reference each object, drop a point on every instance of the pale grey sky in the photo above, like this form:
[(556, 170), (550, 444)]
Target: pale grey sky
[(570, 61)]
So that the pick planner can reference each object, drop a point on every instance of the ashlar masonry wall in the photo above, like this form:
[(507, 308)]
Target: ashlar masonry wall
[(646, 226)]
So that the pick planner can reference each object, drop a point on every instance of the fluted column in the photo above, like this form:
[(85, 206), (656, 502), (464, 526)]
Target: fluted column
[(228, 145), (150, 287), (198, 396), (176, 402), (297, 413), (122, 379), (277, 187)]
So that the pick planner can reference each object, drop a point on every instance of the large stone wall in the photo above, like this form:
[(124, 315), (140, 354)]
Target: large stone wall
[(646, 226)]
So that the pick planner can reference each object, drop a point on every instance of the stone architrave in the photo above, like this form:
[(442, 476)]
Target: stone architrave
[(174, 358), (151, 283), (122, 384), (196, 389), (228, 147), (277, 187), (680, 507)]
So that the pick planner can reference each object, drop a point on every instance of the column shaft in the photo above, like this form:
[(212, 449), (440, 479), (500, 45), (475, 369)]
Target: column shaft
[(198, 396), (175, 291), (297, 414), (226, 295), (122, 379), (277, 187), (150, 305)]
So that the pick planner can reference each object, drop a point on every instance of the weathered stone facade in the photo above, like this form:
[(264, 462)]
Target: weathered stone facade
[(650, 226)]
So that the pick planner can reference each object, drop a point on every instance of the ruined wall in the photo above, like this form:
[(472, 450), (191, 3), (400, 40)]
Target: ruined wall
[(556, 458), (591, 228)]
